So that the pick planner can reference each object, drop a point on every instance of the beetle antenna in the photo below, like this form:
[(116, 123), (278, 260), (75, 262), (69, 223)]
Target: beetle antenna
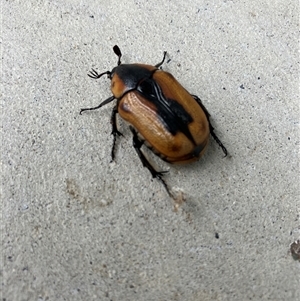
[(118, 52), (95, 75)]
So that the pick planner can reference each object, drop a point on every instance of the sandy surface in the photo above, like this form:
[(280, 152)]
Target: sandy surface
[(77, 227)]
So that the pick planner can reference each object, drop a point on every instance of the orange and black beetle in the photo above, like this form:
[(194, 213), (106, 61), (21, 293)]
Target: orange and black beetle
[(173, 123)]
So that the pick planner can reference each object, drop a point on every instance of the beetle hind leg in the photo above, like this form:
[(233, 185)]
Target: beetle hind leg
[(137, 144), (211, 128)]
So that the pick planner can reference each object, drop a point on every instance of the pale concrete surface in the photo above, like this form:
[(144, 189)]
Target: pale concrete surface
[(77, 227)]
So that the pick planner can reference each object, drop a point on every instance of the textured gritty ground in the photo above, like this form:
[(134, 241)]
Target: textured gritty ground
[(77, 227)]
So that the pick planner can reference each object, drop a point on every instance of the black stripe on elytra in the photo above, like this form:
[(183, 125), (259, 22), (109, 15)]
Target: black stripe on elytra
[(171, 113)]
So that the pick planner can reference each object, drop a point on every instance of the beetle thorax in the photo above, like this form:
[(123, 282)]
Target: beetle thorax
[(125, 78)]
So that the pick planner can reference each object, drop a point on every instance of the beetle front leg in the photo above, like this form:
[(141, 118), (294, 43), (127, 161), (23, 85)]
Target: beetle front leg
[(159, 64), (103, 103), (211, 128), (137, 144), (115, 132)]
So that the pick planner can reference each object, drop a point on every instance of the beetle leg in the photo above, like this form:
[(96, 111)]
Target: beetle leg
[(159, 64), (202, 106), (115, 132), (217, 139), (108, 100), (137, 144), (211, 129)]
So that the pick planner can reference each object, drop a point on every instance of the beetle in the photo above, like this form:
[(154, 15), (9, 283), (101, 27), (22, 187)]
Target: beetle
[(162, 114)]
